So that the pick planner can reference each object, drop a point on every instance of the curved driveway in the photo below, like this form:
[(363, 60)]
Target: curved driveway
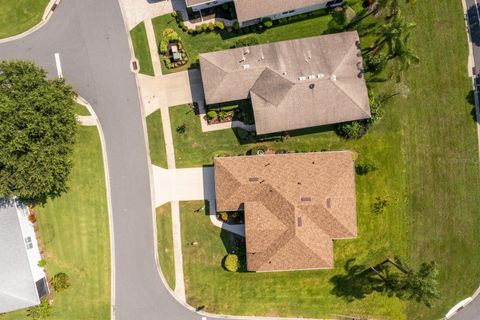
[(90, 37)]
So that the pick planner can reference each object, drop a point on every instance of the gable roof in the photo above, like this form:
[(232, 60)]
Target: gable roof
[(254, 9), (17, 286), (292, 84), (295, 204)]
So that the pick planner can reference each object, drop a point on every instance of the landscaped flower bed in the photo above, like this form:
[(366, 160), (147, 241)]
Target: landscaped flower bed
[(172, 49), (230, 111), (233, 217)]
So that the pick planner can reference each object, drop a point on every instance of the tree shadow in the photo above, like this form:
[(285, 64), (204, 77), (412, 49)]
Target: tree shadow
[(356, 284), (471, 101)]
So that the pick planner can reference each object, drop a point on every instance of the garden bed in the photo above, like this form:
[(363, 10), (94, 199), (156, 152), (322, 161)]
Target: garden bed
[(230, 111), (231, 217)]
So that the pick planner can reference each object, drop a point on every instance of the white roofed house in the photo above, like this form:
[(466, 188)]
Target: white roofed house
[(22, 281)]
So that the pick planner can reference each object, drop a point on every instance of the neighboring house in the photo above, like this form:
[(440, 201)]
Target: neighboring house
[(22, 281), (292, 84), (294, 205), (253, 11)]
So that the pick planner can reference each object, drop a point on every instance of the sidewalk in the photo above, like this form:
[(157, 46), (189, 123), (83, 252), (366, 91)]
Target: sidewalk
[(152, 44)]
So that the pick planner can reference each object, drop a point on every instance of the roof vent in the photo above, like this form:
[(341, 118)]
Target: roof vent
[(246, 66), (333, 77), (284, 73), (247, 50), (311, 77), (306, 199), (311, 86), (302, 78), (329, 203), (320, 75), (299, 221), (253, 179)]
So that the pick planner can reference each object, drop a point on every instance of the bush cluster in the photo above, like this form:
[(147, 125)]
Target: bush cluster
[(357, 129), (60, 281), (232, 263)]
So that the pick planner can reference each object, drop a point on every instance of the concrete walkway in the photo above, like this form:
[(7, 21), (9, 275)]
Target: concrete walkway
[(87, 121), (152, 44), (136, 11), (176, 185)]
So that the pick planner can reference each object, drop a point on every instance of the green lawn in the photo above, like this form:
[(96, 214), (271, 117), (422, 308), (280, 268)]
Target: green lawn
[(158, 153), (75, 231), (295, 293), (81, 110), (440, 151), (141, 48), (20, 15), (165, 243), (426, 154), (211, 41)]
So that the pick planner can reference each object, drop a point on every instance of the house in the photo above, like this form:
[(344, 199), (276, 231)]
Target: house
[(253, 11), (292, 84), (294, 205), (22, 281)]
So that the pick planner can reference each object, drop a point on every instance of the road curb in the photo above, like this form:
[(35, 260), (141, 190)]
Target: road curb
[(47, 14)]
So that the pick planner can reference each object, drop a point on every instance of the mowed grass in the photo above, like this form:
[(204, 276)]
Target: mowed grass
[(295, 293), (75, 231), (212, 41), (426, 153), (440, 150), (81, 110), (18, 16), (165, 243), (158, 153), (141, 48)]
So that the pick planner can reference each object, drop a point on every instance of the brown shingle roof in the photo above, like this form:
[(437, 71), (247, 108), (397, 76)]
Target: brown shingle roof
[(295, 204), (292, 84), (253, 9)]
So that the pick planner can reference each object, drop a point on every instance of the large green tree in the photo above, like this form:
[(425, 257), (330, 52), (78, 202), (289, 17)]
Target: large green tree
[(37, 133)]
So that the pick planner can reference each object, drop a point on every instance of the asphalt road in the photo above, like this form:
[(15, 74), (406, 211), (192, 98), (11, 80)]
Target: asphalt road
[(90, 37)]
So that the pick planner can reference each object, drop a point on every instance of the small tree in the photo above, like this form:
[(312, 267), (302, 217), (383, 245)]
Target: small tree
[(60, 281), (267, 22), (40, 312), (37, 133), (219, 25), (232, 263)]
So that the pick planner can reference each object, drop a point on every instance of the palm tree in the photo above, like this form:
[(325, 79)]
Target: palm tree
[(392, 32), (403, 54)]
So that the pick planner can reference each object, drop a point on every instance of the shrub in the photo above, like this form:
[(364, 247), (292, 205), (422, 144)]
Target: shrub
[(225, 6), (247, 41), (224, 216), (219, 25), (236, 25), (199, 29), (181, 24), (205, 27), (211, 115), (40, 312), (182, 128), (42, 263), (352, 130), (60, 281), (258, 150), (185, 28), (211, 26), (163, 46), (222, 115), (170, 35), (232, 263), (375, 62), (267, 22)]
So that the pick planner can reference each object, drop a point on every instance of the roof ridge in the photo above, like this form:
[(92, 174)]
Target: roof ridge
[(350, 98), (344, 57), (310, 249)]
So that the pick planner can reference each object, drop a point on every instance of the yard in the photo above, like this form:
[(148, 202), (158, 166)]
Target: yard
[(294, 293), (141, 49), (426, 157), (165, 243), (20, 15), (212, 41), (156, 141), (75, 232)]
